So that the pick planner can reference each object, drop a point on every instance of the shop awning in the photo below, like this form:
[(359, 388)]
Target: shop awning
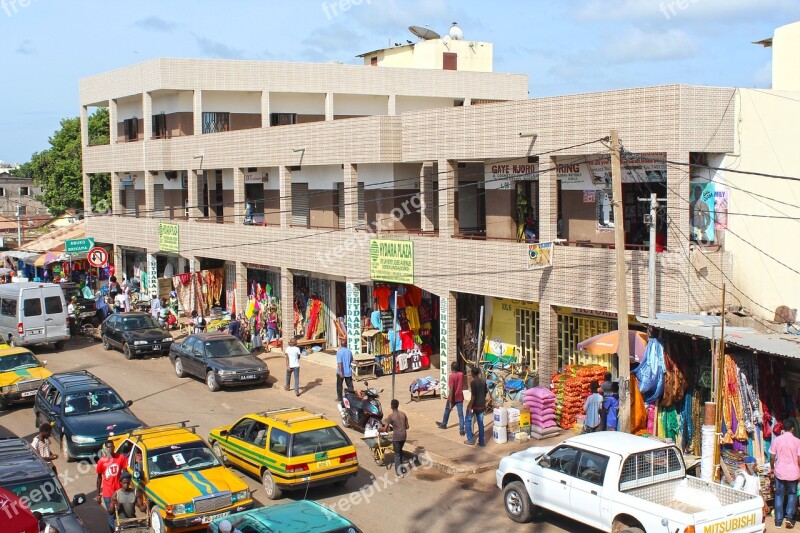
[(708, 327), (22, 255)]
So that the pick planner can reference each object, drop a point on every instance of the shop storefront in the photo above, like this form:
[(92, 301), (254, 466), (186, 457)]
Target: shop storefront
[(512, 332), (263, 307)]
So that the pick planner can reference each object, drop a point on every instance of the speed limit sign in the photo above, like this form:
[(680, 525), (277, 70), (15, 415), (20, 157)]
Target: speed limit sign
[(97, 257)]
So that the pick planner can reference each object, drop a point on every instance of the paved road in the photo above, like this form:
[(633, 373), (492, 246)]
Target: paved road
[(376, 500)]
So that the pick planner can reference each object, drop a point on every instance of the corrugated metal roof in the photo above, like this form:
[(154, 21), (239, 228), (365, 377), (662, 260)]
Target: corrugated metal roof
[(782, 344), (54, 241)]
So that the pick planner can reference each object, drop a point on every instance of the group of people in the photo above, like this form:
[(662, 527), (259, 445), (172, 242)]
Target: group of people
[(601, 407), (164, 310), (476, 407)]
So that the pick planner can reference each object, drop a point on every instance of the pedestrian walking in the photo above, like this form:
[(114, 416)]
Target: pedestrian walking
[(72, 316), (109, 470), (119, 302), (605, 391), (155, 306), (399, 424), (476, 408), (125, 500), (293, 366), (272, 327), (455, 398), (344, 369), (41, 443), (784, 462), (611, 408), (592, 409)]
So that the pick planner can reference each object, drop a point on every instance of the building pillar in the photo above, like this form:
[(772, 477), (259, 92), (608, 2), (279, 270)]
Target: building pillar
[(84, 126), (113, 127), (197, 110), (117, 261), (548, 342), (287, 306), (548, 201), (116, 198), (467, 102), (152, 275), (240, 287), (265, 112), (285, 180), (328, 107), (193, 194), (427, 222), (87, 195), (353, 320), (447, 338), (448, 225), (147, 116), (238, 196), (392, 105), (149, 194), (183, 265), (350, 197)]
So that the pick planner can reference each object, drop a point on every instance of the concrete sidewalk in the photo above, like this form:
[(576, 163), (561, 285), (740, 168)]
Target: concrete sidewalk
[(445, 448)]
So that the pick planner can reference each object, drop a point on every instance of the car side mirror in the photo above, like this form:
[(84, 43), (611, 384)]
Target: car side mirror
[(128, 403), (78, 499), (44, 363), (224, 433), (544, 461)]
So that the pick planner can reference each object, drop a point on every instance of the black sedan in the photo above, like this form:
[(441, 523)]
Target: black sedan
[(219, 358), (135, 334)]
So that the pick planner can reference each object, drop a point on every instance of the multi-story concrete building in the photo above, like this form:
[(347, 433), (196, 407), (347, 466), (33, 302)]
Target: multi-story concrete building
[(291, 169)]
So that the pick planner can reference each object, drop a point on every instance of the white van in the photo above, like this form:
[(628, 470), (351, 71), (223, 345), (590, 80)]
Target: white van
[(33, 313)]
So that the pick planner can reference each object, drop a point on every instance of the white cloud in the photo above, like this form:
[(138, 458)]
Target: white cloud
[(684, 10), (217, 50), (154, 23), (330, 42), (640, 45)]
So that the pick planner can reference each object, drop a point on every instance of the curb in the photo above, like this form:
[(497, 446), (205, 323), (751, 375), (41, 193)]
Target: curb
[(443, 464)]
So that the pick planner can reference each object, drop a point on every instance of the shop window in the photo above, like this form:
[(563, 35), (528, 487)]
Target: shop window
[(573, 329), (605, 209), (528, 337)]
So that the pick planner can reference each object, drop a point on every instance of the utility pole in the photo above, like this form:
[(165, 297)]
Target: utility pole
[(623, 349), (19, 226)]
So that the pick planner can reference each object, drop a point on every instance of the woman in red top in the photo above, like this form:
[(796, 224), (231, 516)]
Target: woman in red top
[(455, 398)]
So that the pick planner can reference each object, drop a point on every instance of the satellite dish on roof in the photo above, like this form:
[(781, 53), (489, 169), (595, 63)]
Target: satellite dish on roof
[(456, 33), (423, 33)]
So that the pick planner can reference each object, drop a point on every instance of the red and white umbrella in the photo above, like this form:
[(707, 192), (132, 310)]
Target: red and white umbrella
[(15, 516)]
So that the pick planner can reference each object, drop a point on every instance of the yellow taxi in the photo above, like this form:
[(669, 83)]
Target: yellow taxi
[(288, 449), (185, 485), (21, 373)]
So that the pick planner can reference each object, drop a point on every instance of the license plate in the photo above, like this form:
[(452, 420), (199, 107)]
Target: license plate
[(248, 376), (34, 331), (324, 464), (28, 393), (209, 519), (156, 347)]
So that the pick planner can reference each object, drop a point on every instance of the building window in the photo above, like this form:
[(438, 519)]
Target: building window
[(282, 119), (24, 191), (373, 61), (216, 122), (2, 191), (160, 126), (131, 129), (449, 61)]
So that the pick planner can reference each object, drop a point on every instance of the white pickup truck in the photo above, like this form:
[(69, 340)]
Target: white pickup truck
[(618, 483)]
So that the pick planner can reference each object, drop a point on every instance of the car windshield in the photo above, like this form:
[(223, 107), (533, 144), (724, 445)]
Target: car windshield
[(225, 348), (139, 322), (18, 361), (180, 458), (319, 440), (43, 495), (95, 401)]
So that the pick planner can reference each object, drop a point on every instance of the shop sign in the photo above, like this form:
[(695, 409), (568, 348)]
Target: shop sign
[(444, 363), (595, 173), (391, 261), (78, 246), (503, 174), (127, 179), (168, 237), (255, 177), (540, 255), (720, 209), (353, 318), (152, 274)]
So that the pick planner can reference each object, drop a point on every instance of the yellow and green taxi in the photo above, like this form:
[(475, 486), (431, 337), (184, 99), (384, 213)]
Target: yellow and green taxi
[(21, 373), (184, 483), (288, 449)]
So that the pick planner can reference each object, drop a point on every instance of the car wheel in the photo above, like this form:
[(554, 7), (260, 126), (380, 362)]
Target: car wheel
[(3, 405), (106, 344), (221, 454), (126, 351), (156, 522), (59, 346), (272, 491), (179, 371), (517, 503), (211, 381), (65, 449)]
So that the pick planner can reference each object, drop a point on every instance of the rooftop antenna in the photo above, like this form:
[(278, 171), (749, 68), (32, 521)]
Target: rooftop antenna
[(426, 34)]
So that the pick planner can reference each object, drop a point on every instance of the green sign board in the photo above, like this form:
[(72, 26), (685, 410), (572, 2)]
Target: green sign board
[(79, 246), (168, 237), (391, 261)]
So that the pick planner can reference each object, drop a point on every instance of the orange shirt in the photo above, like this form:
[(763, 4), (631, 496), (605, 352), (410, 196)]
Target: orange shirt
[(382, 294)]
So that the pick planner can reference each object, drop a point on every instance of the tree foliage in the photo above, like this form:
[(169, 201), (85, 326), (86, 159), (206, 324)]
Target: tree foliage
[(58, 169)]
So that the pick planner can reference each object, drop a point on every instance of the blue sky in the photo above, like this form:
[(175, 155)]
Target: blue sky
[(564, 47)]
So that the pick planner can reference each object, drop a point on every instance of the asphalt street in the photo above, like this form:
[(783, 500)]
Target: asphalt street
[(376, 500)]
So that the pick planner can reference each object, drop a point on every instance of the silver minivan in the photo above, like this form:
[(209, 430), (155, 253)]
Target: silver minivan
[(33, 313)]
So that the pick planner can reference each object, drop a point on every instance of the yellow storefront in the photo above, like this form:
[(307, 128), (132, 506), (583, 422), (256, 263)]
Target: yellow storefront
[(512, 332), (576, 325)]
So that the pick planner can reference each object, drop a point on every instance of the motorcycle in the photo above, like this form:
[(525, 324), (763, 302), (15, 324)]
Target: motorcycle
[(361, 410)]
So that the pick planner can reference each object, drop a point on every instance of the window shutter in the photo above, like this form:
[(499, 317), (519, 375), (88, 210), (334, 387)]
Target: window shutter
[(341, 202), (158, 201), (362, 216), (130, 200), (301, 214)]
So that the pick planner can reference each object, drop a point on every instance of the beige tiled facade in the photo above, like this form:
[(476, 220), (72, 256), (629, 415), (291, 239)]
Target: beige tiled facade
[(675, 120)]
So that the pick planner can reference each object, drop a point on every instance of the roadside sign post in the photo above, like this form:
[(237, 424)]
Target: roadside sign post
[(78, 246)]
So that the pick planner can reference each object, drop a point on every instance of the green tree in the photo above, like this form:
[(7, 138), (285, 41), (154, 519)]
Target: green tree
[(58, 169)]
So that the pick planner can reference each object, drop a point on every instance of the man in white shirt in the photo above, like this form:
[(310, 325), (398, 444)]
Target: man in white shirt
[(747, 479), (72, 316), (119, 302), (293, 366)]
